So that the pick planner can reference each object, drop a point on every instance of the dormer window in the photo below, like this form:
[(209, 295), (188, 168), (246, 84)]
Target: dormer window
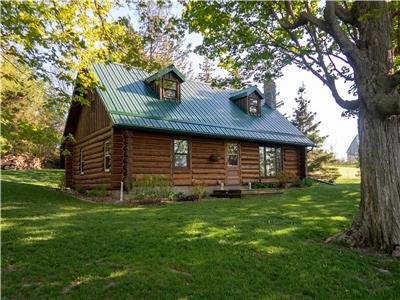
[(170, 89), (167, 83), (253, 107), (249, 100)]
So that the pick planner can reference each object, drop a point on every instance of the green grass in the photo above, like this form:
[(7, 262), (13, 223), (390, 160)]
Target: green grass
[(54, 246), (348, 173)]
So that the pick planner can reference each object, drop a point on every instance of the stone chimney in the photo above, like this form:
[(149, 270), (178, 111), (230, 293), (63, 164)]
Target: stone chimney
[(270, 93)]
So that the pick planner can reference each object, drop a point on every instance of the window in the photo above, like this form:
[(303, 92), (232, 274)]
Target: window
[(233, 154), (181, 153), (170, 88), (253, 106), (270, 161), (81, 163), (107, 156)]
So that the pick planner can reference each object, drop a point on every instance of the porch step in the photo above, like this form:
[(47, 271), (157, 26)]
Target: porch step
[(240, 193)]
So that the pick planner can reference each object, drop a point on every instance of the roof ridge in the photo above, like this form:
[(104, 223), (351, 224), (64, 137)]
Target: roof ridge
[(154, 72)]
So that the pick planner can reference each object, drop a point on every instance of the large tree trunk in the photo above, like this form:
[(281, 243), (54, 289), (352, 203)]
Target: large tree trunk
[(378, 221)]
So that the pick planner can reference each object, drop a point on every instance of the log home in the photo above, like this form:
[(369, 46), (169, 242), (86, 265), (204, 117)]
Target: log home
[(164, 124)]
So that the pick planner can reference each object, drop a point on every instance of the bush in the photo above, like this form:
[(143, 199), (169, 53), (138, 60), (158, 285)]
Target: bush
[(81, 190), (308, 182), (199, 188), (98, 192), (283, 179), (149, 188), (262, 185)]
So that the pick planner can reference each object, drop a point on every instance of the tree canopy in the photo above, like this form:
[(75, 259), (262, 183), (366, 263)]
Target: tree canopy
[(259, 38)]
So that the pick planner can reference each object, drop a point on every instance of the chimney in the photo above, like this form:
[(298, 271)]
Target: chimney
[(270, 93)]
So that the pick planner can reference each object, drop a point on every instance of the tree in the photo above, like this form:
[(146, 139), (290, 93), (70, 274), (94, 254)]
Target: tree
[(31, 122), (319, 161), (58, 39), (163, 39), (206, 71), (351, 41)]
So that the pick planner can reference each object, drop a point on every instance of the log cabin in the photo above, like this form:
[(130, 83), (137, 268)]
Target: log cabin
[(163, 124)]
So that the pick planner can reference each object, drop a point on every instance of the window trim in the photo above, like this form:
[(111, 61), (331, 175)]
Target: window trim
[(188, 160), (265, 166), (238, 154), (177, 98), (81, 162), (105, 154)]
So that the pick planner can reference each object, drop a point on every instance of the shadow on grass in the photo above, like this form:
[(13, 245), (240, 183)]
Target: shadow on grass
[(55, 246)]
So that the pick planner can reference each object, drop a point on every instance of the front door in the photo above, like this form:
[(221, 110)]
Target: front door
[(232, 163)]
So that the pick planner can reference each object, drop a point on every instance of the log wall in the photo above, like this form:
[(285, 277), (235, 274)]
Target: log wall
[(92, 131), (152, 154)]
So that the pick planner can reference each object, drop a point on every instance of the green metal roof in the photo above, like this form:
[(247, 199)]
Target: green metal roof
[(245, 92), (203, 110), (162, 72)]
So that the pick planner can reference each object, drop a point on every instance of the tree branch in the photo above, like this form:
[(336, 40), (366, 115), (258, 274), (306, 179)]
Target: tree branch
[(349, 49), (344, 14)]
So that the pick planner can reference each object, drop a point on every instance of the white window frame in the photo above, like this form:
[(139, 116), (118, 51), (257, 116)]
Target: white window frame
[(233, 154), (105, 155)]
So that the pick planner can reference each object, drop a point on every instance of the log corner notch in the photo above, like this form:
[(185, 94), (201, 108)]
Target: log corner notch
[(118, 158)]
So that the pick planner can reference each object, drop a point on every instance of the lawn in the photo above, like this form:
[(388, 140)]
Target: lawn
[(54, 246)]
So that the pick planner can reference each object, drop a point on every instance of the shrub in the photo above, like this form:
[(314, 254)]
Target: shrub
[(98, 192), (149, 188), (92, 193), (283, 179), (199, 188), (81, 190), (263, 185), (308, 182)]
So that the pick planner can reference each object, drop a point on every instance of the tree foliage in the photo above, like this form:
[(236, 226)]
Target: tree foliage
[(259, 38), (162, 38), (319, 161), (31, 122)]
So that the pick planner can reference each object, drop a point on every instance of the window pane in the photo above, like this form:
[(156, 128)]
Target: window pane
[(262, 162), (270, 161), (170, 85), (279, 160), (181, 146), (253, 110), (181, 160), (170, 88), (233, 149), (107, 162), (253, 102), (233, 160), (169, 93)]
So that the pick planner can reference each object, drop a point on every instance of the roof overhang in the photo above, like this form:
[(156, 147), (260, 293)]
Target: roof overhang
[(246, 92)]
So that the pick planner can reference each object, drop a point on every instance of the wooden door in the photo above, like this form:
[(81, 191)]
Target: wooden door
[(232, 163)]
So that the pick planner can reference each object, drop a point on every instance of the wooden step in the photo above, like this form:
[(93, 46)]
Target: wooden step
[(244, 192)]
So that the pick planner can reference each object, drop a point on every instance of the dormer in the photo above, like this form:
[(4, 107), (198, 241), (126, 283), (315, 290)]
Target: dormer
[(167, 83), (249, 100)]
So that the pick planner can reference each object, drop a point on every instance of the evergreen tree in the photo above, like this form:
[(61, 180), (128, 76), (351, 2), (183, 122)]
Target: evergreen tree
[(319, 161), (162, 38), (206, 68)]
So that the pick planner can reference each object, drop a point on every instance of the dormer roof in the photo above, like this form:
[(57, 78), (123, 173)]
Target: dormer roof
[(246, 92), (164, 71)]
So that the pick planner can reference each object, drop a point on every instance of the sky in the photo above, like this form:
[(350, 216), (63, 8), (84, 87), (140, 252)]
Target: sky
[(340, 130)]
